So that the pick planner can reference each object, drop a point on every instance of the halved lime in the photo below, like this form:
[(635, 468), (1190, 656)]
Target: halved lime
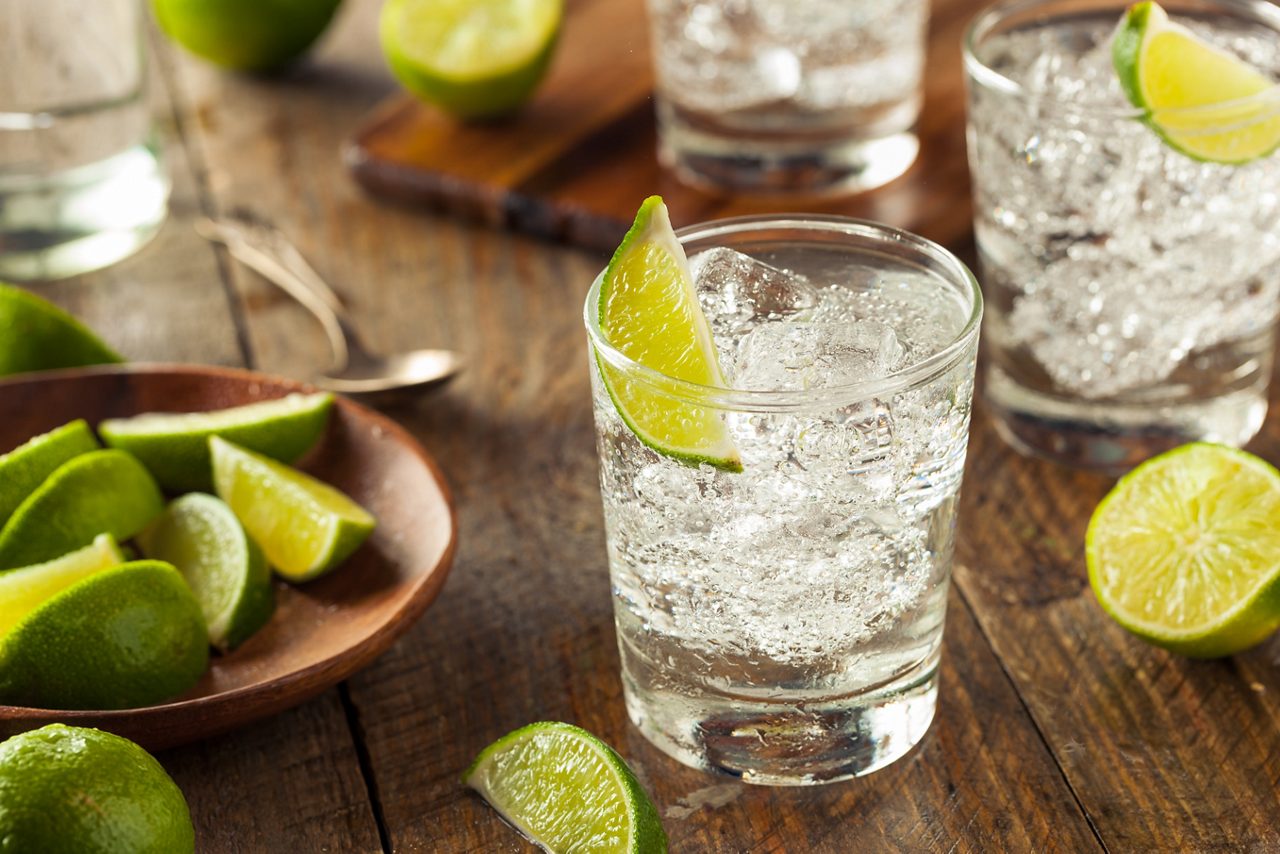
[(247, 35), (1185, 550), (24, 468), (567, 791), (224, 568), (1200, 98), (102, 492), (474, 58), (21, 590), (175, 446), (305, 527), (121, 638), (36, 335), (649, 312)]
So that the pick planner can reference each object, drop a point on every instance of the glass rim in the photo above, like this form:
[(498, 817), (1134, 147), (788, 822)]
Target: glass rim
[(911, 375), (977, 71)]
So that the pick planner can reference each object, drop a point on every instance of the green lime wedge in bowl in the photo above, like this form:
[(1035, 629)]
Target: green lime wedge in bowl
[(1185, 550), (102, 492), (649, 312), (23, 469), (21, 590), (1202, 100), (472, 58), (224, 568), (304, 526), (122, 638), (567, 790), (36, 335), (175, 446)]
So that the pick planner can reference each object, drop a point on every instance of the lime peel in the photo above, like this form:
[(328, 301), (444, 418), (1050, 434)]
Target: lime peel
[(1184, 551), (649, 312)]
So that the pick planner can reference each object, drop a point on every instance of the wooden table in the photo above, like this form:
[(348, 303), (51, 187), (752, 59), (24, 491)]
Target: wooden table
[(1056, 730)]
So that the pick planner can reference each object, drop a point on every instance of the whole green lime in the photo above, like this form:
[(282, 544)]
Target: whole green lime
[(68, 790), (246, 35)]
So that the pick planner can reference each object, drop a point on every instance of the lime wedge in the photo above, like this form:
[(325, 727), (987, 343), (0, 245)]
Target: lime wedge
[(1164, 69), (21, 590), (223, 567), (24, 468), (121, 638), (473, 58), (36, 335), (305, 527), (649, 312), (1185, 552), (102, 492), (175, 446), (567, 791)]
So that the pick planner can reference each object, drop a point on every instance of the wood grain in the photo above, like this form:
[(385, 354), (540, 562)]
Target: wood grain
[(575, 163)]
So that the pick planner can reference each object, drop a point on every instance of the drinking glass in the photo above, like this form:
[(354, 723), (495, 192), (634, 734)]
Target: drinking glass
[(82, 184), (1132, 290), (788, 95), (783, 623)]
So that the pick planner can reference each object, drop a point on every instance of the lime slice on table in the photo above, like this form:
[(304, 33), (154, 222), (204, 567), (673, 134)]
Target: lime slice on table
[(305, 527), (473, 58), (102, 492), (72, 789), (1185, 550), (121, 638), (649, 312), (567, 791), (24, 468), (21, 590), (175, 446), (36, 335), (1165, 69), (224, 568)]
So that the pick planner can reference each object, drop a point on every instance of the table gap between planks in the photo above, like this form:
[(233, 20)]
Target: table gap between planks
[(1055, 731)]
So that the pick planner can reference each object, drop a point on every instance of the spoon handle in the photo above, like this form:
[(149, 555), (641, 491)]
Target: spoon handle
[(281, 274)]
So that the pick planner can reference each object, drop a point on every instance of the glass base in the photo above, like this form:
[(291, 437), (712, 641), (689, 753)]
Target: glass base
[(71, 222), (801, 743), (719, 164), (1114, 437)]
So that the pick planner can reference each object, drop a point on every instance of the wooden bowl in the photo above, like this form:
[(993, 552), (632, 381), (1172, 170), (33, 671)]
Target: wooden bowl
[(323, 631)]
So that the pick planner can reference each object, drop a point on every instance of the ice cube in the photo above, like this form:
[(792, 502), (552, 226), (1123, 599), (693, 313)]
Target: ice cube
[(798, 355), (738, 286)]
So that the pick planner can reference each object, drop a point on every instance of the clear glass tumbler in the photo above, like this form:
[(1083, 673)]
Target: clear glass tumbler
[(783, 623), (788, 95), (82, 183), (1132, 290)]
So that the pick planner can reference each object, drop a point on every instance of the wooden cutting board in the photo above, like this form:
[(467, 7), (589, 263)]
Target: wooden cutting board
[(576, 162)]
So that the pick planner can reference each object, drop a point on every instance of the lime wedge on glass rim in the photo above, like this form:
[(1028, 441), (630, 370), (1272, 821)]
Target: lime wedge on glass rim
[(1185, 550), (1202, 100), (649, 312), (567, 790), (473, 58)]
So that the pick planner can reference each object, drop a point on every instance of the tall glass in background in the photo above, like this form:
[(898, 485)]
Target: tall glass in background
[(783, 623), (1132, 291), (82, 184), (788, 95)]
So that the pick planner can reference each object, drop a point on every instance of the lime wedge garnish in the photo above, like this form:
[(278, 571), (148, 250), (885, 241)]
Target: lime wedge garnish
[(224, 568), (473, 58), (1198, 97), (102, 492), (305, 527), (175, 446), (567, 791), (123, 637), (21, 590), (24, 468), (1185, 551), (36, 335), (649, 312)]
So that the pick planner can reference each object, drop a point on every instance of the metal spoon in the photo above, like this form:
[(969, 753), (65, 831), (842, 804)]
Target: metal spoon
[(355, 371)]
